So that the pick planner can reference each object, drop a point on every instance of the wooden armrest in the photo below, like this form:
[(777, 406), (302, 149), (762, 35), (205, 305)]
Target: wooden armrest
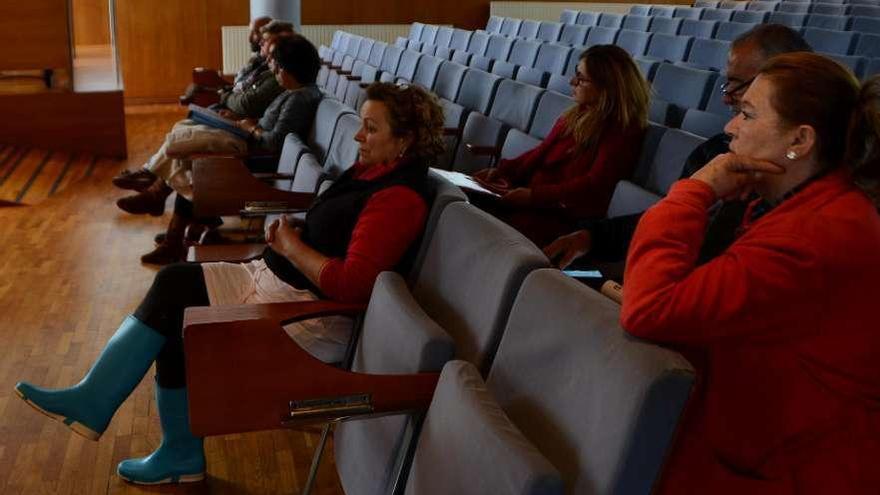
[(222, 186), (222, 154), (243, 369), (225, 252), (482, 150), (205, 77), (450, 131), (353, 78), (344, 72), (335, 67)]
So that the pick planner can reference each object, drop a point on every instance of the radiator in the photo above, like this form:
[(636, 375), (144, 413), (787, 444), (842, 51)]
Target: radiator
[(236, 49), (550, 11)]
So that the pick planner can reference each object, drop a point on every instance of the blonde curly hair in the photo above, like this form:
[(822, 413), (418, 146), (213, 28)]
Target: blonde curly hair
[(413, 112)]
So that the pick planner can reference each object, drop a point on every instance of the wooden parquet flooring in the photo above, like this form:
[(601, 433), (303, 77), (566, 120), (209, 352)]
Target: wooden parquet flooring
[(69, 274)]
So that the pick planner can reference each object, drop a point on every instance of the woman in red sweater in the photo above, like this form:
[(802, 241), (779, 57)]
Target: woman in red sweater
[(782, 325), (572, 174)]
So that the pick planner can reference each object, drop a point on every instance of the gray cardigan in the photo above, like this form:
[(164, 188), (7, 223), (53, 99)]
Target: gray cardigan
[(292, 111)]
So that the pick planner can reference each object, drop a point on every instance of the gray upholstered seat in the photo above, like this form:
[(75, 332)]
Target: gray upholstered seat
[(569, 393), (704, 124), (466, 294), (550, 108)]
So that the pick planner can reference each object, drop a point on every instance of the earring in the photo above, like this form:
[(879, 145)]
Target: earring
[(791, 155)]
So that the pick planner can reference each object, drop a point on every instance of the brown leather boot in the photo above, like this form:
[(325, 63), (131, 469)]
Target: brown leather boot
[(150, 201), (172, 248)]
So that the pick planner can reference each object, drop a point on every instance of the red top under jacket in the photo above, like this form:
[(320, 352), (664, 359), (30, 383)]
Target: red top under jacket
[(391, 221), (788, 395), (560, 172)]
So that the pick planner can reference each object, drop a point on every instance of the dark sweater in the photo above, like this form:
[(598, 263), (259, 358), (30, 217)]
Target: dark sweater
[(611, 236)]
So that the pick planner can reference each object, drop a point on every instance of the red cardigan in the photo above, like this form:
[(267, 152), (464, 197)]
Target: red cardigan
[(560, 172), (788, 395)]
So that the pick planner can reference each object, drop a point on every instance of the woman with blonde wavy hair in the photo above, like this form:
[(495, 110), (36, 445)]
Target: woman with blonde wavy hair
[(571, 175)]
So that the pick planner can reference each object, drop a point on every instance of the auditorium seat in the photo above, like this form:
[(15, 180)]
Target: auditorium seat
[(665, 25), (447, 88), (681, 88), (793, 8), (588, 19), (365, 48), (865, 10), (648, 67), (698, 29), (460, 291), (493, 25), (865, 25), (636, 22), (829, 9), (514, 107), (702, 123), (415, 30), (868, 46), (609, 20), (528, 29), (640, 10), (634, 42), (429, 33), (715, 104), (512, 434), (733, 5), (708, 54), (479, 41), (668, 47), (510, 26), (668, 161), (721, 15), (824, 40), (404, 43), (794, 21), (707, 4), (662, 11), (630, 195), (549, 31), (857, 64), (687, 13), (601, 36), (426, 71), (460, 39), (568, 16), (833, 22), (390, 60), (551, 106), (377, 53), (750, 16), (729, 31), (552, 59), (516, 143), (444, 37), (573, 34), (761, 6), (462, 57), (477, 92), (873, 67), (406, 68)]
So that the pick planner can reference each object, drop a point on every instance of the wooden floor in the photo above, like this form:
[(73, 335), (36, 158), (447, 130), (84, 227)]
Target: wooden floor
[(69, 274)]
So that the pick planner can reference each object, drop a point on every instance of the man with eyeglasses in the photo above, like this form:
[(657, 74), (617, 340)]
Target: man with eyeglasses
[(607, 240)]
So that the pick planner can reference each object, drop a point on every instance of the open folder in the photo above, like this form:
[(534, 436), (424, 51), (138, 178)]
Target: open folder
[(206, 116), (465, 182)]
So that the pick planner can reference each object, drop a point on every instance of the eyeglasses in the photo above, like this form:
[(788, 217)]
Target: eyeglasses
[(578, 79), (727, 89)]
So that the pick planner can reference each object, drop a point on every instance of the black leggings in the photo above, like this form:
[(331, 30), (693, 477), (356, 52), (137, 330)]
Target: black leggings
[(175, 288)]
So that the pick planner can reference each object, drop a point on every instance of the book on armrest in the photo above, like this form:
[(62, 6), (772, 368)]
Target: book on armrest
[(213, 119)]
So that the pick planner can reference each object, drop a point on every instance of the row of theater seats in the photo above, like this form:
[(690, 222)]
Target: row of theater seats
[(738, 5), (678, 87), (858, 47), (541, 391)]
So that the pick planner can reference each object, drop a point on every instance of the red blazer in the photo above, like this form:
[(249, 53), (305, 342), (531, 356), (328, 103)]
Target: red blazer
[(560, 172), (788, 395)]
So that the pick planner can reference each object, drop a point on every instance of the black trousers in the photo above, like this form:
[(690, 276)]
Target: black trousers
[(175, 288)]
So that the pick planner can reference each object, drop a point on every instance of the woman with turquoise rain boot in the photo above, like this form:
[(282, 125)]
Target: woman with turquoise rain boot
[(367, 222)]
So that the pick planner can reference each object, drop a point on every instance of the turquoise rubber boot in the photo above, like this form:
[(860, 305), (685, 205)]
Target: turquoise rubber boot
[(180, 457), (88, 406)]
